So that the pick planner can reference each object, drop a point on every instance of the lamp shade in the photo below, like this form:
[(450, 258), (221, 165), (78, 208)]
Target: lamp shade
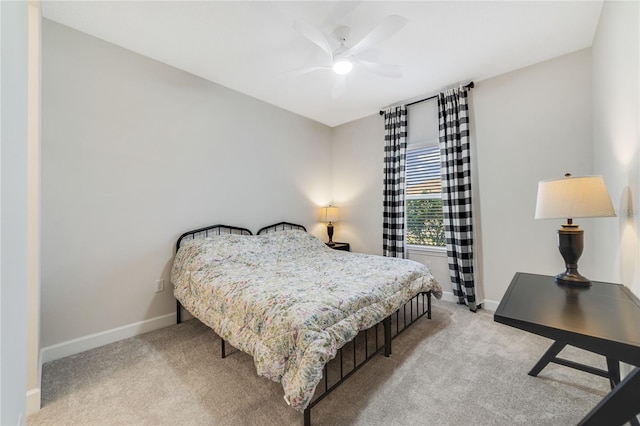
[(329, 214), (570, 197)]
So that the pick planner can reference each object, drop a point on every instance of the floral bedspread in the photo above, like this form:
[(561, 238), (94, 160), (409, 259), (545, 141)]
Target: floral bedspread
[(290, 301)]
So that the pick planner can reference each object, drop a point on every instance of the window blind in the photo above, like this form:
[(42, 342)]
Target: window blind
[(423, 171), (424, 219)]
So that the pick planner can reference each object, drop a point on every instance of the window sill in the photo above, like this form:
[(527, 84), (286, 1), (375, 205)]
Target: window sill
[(430, 250)]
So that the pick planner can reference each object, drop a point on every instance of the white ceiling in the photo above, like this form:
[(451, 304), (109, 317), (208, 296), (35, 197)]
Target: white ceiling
[(249, 46)]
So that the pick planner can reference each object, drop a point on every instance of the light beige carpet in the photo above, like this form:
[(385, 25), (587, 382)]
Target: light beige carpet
[(458, 368)]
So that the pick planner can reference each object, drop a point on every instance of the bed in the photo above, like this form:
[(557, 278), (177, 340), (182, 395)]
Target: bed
[(294, 304)]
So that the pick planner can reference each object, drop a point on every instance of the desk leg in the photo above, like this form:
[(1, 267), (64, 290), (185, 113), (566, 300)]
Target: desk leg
[(548, 356), (614, 371), (619, 406)]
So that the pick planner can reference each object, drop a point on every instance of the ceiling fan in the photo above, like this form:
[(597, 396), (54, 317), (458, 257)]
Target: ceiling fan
[(344, 57)]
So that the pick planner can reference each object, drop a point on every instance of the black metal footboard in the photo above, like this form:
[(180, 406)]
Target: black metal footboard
[(368, 343)]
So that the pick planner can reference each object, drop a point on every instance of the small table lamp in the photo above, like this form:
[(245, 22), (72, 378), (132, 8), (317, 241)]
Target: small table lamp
[(330, 215), (569, 197)]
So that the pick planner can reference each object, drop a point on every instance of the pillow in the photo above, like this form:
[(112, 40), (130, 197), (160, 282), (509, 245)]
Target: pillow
[(218, 248), (290, 240)]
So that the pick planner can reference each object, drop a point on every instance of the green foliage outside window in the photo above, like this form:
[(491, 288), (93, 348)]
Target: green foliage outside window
[(425, 225)]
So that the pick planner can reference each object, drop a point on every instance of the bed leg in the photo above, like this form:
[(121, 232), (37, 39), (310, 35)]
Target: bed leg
[(307, 416), (387, 336), (429, 305), (223, 347), (178, 312)]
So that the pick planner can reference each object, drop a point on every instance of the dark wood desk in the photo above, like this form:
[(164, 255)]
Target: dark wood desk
[(603, 318)]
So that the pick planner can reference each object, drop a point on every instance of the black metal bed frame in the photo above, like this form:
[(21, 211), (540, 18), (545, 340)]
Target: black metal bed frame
[(356, 353), (280, 226)]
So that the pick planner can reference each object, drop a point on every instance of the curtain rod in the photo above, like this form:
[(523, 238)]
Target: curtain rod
[(470, 85)]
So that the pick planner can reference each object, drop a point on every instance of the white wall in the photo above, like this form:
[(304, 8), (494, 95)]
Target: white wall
[(357, 183), (134, 153), (616, 139), (527, 125), (33, 207), (13, 212)]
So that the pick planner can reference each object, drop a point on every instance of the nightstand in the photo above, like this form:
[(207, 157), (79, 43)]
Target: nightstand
[(340, 246)]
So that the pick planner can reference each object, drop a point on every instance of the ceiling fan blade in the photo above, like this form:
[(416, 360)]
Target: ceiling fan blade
[(388, 27), (302, 71), (312, 34), (385, 70), (339, 86)]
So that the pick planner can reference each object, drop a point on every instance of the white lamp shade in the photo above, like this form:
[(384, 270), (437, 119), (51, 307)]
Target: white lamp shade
[(569, 197), (330, 214)]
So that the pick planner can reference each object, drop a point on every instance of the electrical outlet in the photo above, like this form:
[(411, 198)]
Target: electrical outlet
[(159, 286)]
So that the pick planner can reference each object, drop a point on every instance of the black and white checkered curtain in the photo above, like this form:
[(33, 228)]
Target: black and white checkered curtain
[(395, 148), (453, 113)]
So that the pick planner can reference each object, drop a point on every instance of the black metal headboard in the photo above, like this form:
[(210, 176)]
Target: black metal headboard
[(203, 233), (280, 226), (212, 230)]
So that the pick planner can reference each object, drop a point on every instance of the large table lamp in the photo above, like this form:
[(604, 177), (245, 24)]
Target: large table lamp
[(568, 198), (330, 214)]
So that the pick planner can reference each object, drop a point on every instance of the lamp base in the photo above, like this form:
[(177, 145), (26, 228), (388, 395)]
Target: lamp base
[(330, 234), (570, 244), (572, 279)]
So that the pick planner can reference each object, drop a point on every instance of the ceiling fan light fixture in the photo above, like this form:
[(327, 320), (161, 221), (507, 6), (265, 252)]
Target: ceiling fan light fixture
[(342, 67)]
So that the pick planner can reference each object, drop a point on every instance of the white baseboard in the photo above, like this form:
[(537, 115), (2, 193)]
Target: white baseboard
[(447, 296), (489, 305), (33, 401), (81, 344)]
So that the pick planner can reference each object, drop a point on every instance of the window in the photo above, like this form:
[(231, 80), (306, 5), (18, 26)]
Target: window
[(425, 225)]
